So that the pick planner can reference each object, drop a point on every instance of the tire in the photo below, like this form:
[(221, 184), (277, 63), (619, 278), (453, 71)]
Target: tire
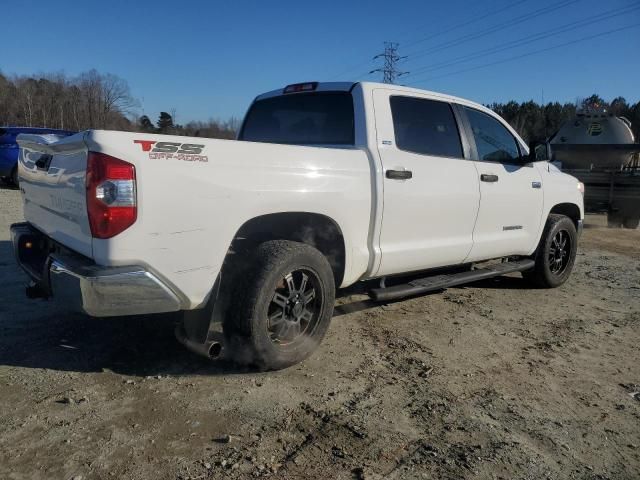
[(631, 223), (614, 220), (553, 265), (14, 177), (281, 306)]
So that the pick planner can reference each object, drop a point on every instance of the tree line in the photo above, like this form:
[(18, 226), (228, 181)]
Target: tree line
[(210, 129), (104, 101), (535, 122), (91, 100)]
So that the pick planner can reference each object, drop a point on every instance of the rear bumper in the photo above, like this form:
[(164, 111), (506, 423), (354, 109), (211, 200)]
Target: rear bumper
[(84, 286)]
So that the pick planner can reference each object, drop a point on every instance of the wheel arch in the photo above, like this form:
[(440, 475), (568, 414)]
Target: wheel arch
[(568, 209), (315, 229)]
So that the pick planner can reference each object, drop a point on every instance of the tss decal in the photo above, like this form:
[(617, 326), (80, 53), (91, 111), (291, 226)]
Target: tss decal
[(190, 152)]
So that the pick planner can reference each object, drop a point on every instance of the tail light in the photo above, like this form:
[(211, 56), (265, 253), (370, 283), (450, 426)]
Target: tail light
[(111, 195)]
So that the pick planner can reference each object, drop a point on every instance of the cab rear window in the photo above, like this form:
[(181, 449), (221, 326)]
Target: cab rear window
[(319, 118)]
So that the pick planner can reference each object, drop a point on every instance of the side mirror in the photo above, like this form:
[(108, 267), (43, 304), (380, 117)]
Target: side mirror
[(539, 151)]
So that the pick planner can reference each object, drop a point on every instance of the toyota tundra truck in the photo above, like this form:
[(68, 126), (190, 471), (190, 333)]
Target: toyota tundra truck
[(327, 185)]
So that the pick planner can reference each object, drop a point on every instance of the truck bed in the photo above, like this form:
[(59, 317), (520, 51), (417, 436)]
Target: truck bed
[(190, 205)]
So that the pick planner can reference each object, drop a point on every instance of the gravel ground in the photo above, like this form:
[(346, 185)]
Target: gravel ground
[(493, 380)]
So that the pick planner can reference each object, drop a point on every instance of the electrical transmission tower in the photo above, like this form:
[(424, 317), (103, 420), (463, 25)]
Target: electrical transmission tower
[(389, 72)]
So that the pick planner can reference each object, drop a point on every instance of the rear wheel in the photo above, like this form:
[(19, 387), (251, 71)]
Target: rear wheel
[(556, 253), (631, 223), (14, 177), (282, 305), (614, 220)]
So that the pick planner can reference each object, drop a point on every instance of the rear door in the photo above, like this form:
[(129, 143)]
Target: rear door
[(431, 195), (52, 180), (511, 197)]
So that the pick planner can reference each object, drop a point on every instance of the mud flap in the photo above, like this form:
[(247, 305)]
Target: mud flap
[(197, 324)]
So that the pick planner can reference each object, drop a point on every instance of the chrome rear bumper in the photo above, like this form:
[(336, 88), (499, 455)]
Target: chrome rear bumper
[(86, 287)]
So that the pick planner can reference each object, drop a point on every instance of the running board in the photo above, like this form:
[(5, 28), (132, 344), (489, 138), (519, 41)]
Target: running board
[(438, 282)]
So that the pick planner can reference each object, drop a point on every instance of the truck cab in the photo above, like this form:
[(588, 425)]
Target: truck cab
[(454, 182)]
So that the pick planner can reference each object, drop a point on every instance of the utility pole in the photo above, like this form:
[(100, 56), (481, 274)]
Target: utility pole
[(389, 71)]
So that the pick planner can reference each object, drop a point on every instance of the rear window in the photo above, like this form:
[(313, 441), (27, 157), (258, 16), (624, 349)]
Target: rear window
[(427, 127), (301, 119)]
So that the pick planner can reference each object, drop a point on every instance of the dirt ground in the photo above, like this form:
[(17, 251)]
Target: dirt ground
[(493, 380)]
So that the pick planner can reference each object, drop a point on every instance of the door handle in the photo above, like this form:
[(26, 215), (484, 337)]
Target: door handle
[(399, 174), (485, 177)]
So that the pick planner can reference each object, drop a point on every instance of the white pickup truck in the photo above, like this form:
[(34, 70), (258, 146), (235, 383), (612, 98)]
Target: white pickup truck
[(328, 184)]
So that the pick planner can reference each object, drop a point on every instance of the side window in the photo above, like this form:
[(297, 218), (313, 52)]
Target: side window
[(493, 141), (425, 126)]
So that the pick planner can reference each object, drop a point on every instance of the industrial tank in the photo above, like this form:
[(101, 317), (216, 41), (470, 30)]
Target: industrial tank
[(594, 140)]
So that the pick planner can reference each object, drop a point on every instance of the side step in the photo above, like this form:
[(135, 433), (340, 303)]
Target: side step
[(438, 282)]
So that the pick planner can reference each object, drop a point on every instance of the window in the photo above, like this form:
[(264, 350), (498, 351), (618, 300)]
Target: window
[(425, 126), (493, 141), (321, 118)]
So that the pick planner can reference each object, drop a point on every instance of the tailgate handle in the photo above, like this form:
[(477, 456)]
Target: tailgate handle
[(485, 177)]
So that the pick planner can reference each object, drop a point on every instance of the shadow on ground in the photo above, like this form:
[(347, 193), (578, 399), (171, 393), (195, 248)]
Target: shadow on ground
[(515, 282), (41, 334), (4, 185), (139, 346)]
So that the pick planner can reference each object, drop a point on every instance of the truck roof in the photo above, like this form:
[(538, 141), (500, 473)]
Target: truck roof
[(347, 86)]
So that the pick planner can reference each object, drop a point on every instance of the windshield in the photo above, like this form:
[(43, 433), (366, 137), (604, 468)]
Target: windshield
[(301, 119)]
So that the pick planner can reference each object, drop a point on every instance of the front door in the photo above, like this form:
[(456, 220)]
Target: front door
[(431, 194), (511, 198)]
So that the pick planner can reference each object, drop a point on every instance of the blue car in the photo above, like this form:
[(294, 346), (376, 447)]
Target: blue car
[(9, 149)]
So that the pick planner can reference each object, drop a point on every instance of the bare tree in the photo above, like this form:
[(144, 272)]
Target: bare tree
[(90, 100), (115, 98)]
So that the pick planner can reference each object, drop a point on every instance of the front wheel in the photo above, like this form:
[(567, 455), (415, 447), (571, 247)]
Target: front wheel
[(282, 305), (556, 253)]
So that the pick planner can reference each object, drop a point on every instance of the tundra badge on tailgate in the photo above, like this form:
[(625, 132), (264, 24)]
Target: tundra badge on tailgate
[(188, 152)]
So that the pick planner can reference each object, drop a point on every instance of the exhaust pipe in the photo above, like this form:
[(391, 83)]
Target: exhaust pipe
[(35, 290), (212, 348)]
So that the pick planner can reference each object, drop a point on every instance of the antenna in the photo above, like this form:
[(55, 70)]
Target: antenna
[(389, 71)]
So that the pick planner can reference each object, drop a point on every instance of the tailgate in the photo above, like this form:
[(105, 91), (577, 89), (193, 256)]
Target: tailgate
[(52, 173)]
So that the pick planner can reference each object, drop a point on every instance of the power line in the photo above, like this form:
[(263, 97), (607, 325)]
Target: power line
[(468, 22), (351, 69), (455, 27), (390, 55), (528, 54), (482, 33), (528, 39)]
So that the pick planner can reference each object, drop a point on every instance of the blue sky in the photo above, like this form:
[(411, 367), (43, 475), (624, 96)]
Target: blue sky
[(208, 59)]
